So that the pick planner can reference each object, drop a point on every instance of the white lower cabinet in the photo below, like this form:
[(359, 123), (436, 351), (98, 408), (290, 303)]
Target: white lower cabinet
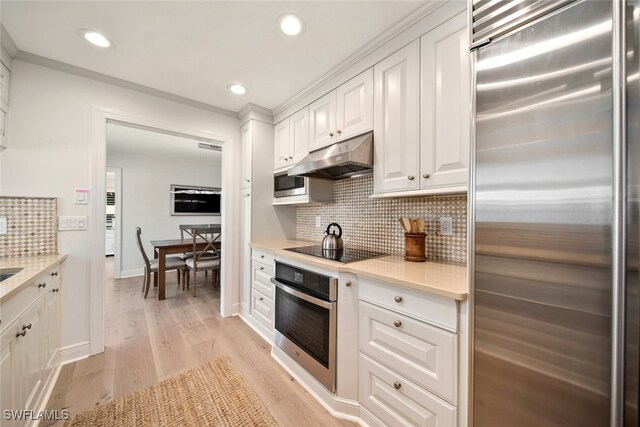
[(415, 349), (396, 401), (408, 365), (262, 293), (30, 344)]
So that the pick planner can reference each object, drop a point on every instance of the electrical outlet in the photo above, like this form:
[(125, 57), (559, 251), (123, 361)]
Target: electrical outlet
[(318, 222), (446, 226), (3, 225)]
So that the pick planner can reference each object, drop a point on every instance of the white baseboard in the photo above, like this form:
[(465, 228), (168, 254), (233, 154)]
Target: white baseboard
[(338, 407), (134, 272), (74, 352)]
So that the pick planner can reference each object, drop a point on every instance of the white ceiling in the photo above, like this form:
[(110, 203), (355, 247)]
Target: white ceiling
[(196, 48), (141, 142)]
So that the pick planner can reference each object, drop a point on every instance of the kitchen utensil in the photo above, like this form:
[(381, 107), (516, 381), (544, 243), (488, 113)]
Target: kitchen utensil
[(420, 225), (402, 224), (406, 224), (331, 241)]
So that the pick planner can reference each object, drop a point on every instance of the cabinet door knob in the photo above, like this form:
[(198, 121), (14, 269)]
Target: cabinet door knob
[(397, 323), (42, 285), (348, 284), (290, 157), (397, 385), (426, 175), (21, 334), (398, 299), (55, 290), (261, 268), (55, 273), (262, 256), (411, 177), (338, 131), (331, 134), (248, 180), (260, 299), (25, 327)]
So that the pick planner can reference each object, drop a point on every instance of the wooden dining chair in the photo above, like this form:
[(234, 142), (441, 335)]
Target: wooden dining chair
[(207, 259), (151, 265)]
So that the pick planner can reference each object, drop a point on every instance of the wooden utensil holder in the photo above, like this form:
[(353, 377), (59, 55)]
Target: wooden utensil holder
[(414, 247)]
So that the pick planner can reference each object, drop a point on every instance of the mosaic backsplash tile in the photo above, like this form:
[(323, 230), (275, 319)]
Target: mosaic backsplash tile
[(32, 226), (373, 223)]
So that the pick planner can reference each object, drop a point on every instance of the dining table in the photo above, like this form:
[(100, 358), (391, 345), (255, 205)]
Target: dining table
[(162, 248)]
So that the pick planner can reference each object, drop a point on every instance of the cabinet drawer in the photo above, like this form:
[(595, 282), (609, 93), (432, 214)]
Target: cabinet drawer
[(438, 311), (426, 354), (264, 257), (25, 296), (261, 279), (262, 309), (396, 401)]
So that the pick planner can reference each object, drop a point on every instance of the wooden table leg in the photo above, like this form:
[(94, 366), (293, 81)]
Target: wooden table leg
[(162, 259)]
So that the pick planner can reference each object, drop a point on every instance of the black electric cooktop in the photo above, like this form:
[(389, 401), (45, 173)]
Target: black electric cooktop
[(341, 255)]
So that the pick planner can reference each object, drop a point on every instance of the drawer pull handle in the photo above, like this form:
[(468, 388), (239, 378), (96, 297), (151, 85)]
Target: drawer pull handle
[(348, 284), (398, 299), (25, 327), (21, 334), (261, 256), (397, 323), (260, 299), (55, 273), (55, 290), (42, 285), (397, 385), (261, 268)]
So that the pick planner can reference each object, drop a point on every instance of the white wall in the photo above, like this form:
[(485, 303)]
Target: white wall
[(49, 155), (146, 179)]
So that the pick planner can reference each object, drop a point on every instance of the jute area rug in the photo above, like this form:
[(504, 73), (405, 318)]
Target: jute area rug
[(215, 394)]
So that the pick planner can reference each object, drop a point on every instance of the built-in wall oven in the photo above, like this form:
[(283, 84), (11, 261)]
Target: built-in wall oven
[(305, 320)]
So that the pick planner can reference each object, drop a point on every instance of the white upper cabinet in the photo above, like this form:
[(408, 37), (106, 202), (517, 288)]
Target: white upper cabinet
[(245, 132), (355, 106), (282, 138), (446, 111), (396, 121), (299, 136), (322, 122)]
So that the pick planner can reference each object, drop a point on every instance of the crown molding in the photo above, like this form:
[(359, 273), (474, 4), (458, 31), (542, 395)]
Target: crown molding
[(83, 72), (383, 38), (255, 112), (8, 42)]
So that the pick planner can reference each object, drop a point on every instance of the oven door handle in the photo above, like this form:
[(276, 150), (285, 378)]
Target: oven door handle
[(313, 300)]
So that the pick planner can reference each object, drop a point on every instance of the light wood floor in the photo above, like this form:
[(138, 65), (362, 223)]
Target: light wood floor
[(149, 340)]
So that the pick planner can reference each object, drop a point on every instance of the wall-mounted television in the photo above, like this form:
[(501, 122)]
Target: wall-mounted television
[(195, 200)]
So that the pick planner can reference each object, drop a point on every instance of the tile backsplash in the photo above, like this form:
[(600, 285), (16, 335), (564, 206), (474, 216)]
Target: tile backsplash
[(373, 223), (32, 226)]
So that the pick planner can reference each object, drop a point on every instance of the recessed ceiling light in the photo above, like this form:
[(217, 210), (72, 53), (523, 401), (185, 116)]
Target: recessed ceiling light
[(95, 38), (290, 24), (237, 89)]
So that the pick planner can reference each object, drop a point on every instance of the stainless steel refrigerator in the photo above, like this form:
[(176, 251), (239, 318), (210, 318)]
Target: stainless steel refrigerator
[(554, 213)]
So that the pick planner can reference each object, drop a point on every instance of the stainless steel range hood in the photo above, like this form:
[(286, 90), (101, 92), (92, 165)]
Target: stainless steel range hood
[(346, 159)]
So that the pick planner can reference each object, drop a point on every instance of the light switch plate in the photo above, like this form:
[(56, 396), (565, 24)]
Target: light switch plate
[(81, 196), (69, 223), (446, 226), (3, 225)]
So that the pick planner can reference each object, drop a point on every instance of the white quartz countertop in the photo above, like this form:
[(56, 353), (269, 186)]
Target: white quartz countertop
[(32, 267), (445, 279)]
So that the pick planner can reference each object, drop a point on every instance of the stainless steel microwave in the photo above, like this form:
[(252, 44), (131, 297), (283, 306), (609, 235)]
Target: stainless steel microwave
[(285, 185)]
